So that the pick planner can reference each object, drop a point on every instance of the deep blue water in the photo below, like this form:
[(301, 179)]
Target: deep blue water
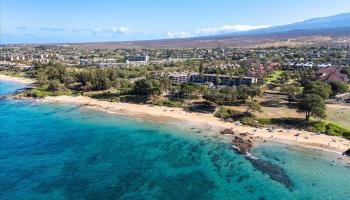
[(50, 151)]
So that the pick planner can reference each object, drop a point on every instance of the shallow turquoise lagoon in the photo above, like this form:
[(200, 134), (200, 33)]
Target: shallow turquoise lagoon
[(50, 151)]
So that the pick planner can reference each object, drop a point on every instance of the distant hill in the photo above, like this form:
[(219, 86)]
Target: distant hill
[(329, 31), (337, 21)]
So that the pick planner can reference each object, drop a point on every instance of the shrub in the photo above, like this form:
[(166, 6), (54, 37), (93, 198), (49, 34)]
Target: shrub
[(168, 103), (338, 87), (40, 93), (347, 134), (115, 99), (104, 95), (333, 129), (77, 93), (318, 126), (54, 85), (265, 121), (226, 113), (250, 121)]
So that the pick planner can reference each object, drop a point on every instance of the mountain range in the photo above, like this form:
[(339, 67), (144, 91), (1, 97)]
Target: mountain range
[(333, 22), (330, 31)]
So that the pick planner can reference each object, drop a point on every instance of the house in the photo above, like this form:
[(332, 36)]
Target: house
[(331, 73)]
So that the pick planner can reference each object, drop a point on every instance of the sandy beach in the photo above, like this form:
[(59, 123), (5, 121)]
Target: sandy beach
[(305, 138), (16, 79), (163, 114)]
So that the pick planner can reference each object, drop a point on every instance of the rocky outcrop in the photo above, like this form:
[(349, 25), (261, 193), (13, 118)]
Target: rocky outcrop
[(227, 132), (242, 143), (347, 152)]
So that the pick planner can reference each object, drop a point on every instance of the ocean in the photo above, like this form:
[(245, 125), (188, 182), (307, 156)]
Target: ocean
[(53, 151)]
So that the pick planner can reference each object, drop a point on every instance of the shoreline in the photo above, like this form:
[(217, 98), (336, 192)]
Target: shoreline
[(161, 114), (164, 114), (16, 79)]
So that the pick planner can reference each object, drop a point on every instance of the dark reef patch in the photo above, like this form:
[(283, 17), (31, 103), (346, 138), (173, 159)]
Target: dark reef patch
[(242, 144), (273, 171)]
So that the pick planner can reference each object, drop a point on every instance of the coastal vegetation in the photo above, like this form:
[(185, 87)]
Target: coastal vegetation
[(47, 90), (294, 91)]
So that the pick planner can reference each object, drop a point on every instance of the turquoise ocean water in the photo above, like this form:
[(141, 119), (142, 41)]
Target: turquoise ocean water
[(50, 151)]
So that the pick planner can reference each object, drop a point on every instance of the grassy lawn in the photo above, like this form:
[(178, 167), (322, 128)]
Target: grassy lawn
[(339, 115), (272, 112), (273, 77), (272, 108)]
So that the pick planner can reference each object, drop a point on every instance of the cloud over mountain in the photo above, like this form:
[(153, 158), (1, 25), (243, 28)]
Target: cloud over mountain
[(228, 28)]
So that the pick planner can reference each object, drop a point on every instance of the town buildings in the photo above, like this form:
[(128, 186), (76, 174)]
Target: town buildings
[(136, 60), (221, 80)]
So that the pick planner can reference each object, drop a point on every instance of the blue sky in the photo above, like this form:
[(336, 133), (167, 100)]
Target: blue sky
[(32, 21)]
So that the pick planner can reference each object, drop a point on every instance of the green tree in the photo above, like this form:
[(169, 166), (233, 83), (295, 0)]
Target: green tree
[(54, 85), (103, 81), (242, 92), (146, 87), (291, 90), (165, 85), (190, 90), (201, 68), (223, 96), (253, 106), (338, 87), (229, 94), (346, 70), (253, 91), (312, 105), (41, 78), (318, 88)]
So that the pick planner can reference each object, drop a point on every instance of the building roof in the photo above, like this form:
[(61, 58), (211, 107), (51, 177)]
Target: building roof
[(329, 74)]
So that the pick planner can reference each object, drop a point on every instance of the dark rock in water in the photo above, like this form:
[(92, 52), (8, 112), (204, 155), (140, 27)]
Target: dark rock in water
[(240, 145), (273, 171), (227, 132), (244, 134), (347, 152)]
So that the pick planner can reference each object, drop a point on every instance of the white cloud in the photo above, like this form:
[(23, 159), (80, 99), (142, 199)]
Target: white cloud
[(144, 32), (213, 31), (121, 29), (181, 34), (97, 30), (228, 28)]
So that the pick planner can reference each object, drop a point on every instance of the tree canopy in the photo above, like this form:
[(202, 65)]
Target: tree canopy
[(338, 87), (318, 88), (312, 105), (292, 90), (190, 90), (221, 96)]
